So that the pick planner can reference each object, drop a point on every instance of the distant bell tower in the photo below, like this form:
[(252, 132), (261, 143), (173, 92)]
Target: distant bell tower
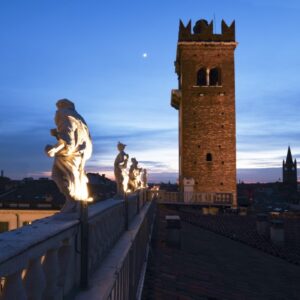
[(289, 171), (205, 100)]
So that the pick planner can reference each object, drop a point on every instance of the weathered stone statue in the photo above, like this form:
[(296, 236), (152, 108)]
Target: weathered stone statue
[(72, 150), (144, 179), (134, 176), (120, 171)]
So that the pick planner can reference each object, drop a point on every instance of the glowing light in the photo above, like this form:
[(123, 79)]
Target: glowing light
[(145, 55), (80, 189), (125, 180)]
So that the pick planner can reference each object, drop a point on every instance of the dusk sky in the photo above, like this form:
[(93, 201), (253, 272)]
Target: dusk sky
[(115, 61)]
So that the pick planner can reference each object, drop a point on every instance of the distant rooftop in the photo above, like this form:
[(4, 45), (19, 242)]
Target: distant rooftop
[(211, 266)]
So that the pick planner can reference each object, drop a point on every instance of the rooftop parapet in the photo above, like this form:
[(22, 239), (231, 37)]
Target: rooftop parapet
[(203, 32), (42, 260)]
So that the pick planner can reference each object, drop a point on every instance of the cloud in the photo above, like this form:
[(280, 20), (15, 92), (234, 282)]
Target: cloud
[(259, 175), (163, 177), (153, 164)]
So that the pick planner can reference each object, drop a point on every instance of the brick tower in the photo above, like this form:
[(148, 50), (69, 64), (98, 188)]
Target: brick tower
[(205, 100)]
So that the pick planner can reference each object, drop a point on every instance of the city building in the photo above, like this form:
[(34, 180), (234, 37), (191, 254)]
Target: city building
[(24, 201)]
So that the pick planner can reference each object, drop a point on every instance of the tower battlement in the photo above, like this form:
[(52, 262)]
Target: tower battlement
[(203, 32)]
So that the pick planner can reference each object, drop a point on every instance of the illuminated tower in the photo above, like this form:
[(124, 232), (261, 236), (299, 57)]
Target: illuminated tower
[(205, 99)]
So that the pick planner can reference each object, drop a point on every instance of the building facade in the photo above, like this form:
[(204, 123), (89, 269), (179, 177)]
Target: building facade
[(205, 100), (11, 219)]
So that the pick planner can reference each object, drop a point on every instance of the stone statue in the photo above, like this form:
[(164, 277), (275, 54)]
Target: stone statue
[(134, 176), (144, 178), (72, 150), (120, 171)]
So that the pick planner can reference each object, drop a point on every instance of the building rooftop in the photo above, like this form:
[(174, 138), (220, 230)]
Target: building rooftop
[(212, 266)]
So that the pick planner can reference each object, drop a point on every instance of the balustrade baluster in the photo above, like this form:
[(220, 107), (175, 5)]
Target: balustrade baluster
[(51, 270), (13, 288), (99, 242), (64, 259), (34, 279)]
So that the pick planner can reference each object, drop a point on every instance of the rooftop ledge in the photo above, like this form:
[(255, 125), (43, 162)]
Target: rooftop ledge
[(15, 242), (207, 86), (43, 260), (209, 44)]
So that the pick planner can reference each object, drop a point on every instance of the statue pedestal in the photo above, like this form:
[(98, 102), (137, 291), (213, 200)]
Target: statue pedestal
[(188, 189)]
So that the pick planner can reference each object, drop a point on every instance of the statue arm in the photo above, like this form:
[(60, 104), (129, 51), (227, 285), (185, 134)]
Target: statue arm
[(52, 150), (123, 162), (66, 134)]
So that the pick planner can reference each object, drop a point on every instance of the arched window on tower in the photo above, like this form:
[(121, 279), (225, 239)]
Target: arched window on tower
[(215, 77), (201, 77)]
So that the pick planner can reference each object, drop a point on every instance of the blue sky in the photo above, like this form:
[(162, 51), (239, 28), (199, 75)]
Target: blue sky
[(92, 53)]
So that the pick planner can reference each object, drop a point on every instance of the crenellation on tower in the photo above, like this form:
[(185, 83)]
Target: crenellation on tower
[(204, 31)]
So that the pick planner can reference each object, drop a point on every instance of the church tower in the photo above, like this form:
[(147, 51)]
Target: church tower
[(289, 171), (205, 100)]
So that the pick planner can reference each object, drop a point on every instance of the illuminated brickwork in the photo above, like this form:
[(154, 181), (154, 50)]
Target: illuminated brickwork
[(205, 100)]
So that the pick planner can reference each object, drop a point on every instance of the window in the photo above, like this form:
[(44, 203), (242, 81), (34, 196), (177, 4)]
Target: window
[(208, 157), (26, 223), (215, 77), (201, 77), (3, 226)]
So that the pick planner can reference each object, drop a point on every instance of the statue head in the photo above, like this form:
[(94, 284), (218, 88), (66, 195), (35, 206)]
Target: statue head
[(134, 161), (65, 103), (121, 146)]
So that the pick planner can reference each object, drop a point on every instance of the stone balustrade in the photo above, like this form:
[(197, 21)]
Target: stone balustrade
[(164, 196), (42, 260), (122, 272), (212, 198), (216, 199)]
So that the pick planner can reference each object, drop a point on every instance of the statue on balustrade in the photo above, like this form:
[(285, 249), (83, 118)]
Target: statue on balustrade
[(144, 178), (134, 176), (72, 150), (120, 170)]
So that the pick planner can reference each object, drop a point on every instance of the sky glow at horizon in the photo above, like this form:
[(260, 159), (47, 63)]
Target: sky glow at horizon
[(93, 53)]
